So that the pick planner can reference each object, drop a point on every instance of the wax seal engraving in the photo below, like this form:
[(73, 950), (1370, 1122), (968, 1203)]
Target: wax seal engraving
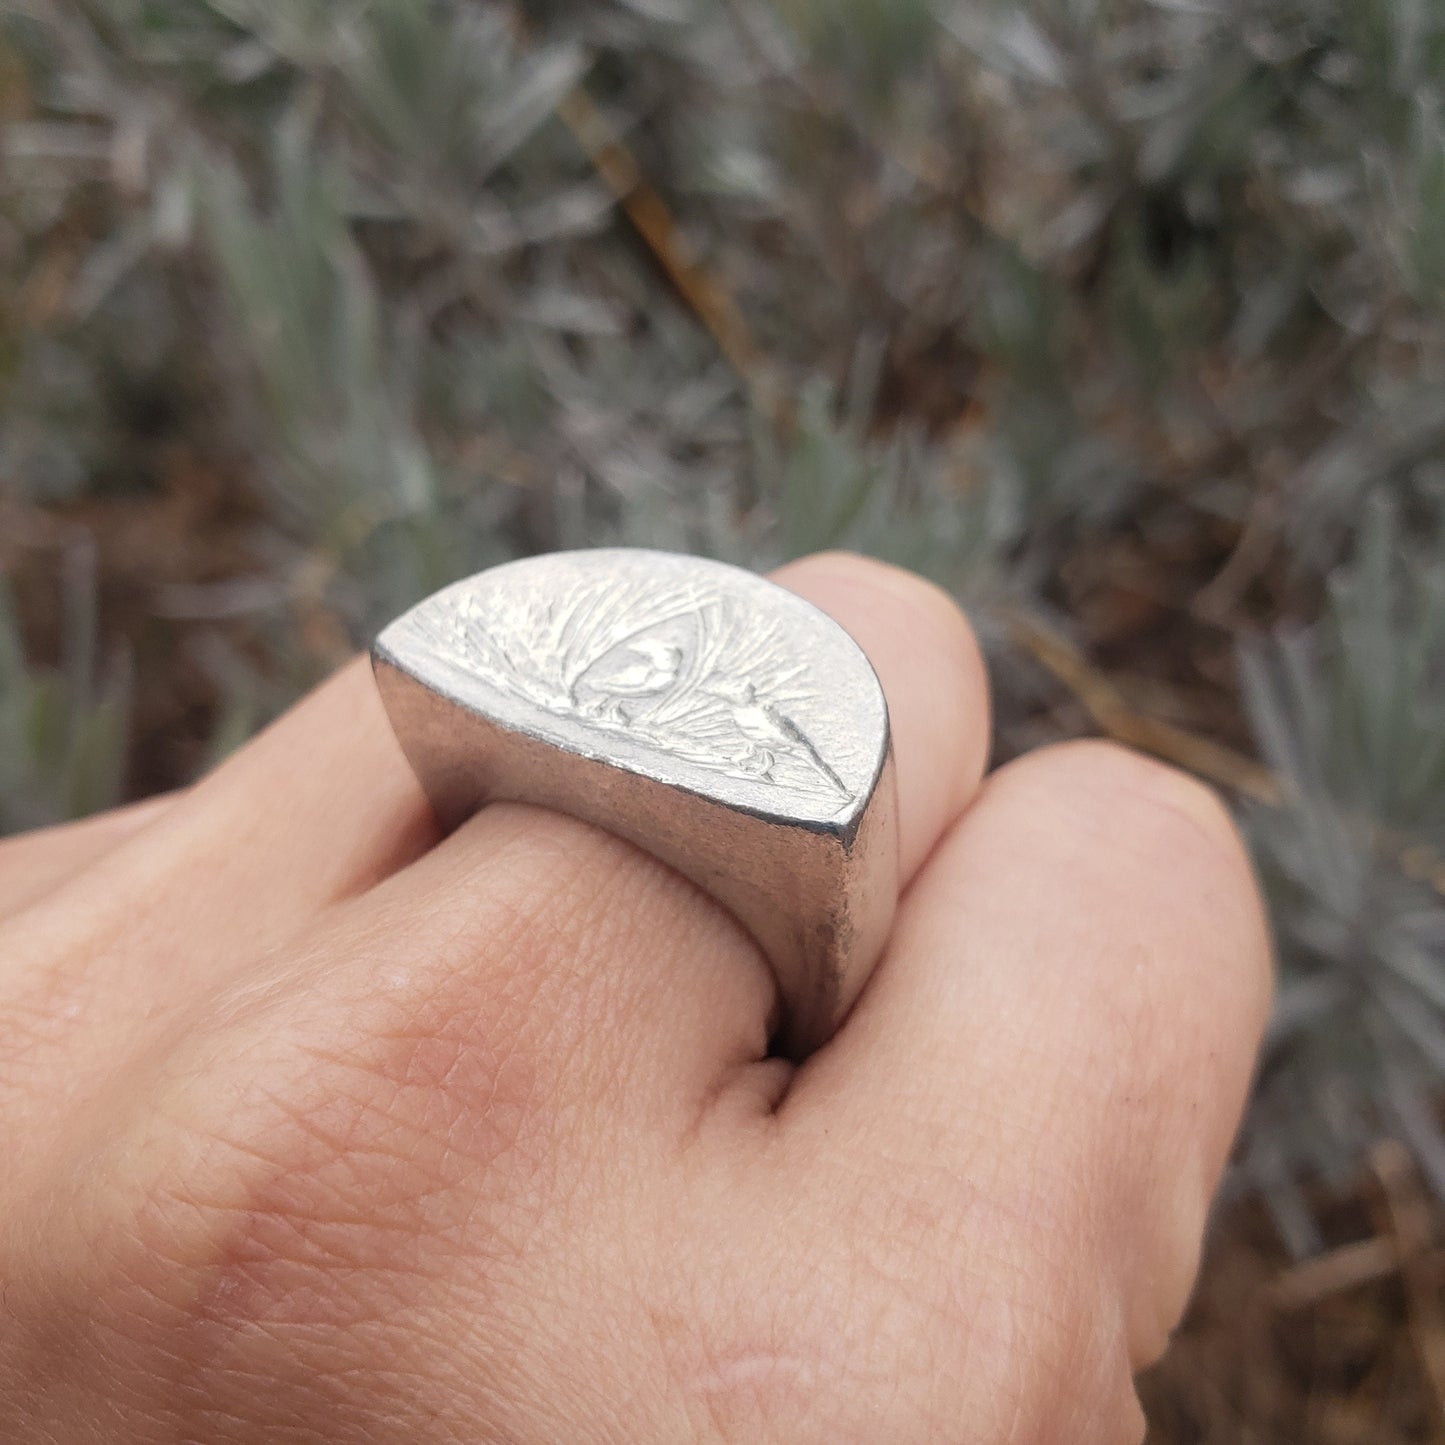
[(680, 670), (680, 667)]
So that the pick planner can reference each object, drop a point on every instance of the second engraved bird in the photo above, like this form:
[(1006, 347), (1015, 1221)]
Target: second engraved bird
[(768, 729)]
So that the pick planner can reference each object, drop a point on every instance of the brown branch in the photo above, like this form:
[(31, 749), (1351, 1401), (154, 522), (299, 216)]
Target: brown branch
[(1349, 1267), (709, 299), (1117, 718), (1406, 1213), (701, 289)]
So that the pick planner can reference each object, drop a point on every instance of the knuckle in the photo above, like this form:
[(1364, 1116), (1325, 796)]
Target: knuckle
[(48, 1007), (293, 1223), (927, 655), (1048, 1358), (1041, 1366), (998, 1316), (925, 595), (1129, 791), (250, 1228), (1171, 826), (319, 1175), (933, 607)]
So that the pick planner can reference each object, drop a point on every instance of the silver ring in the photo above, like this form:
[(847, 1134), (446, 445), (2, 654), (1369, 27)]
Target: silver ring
[(710, 717)]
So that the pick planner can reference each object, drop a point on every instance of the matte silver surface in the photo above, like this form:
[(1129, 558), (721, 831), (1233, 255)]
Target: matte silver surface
[(711, 717)]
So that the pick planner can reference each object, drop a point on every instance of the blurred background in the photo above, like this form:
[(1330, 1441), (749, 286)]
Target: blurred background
[(1122, 319)]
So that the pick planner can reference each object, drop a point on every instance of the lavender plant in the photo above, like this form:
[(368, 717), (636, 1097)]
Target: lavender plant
[(62, 729), (1350, 712)]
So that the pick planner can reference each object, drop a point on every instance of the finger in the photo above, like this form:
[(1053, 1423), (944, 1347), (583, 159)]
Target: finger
[(319, 804), (31, 864), (315, 808), (1054, 1053), (933, 675), (629, 973)]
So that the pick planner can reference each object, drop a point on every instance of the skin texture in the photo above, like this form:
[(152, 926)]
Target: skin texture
[(319, 1127)]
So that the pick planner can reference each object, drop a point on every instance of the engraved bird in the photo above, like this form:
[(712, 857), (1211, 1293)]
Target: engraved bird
[(644, 668), (769, 730)]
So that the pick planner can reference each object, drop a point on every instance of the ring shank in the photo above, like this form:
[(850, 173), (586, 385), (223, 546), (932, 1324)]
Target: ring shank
[(818, 899)]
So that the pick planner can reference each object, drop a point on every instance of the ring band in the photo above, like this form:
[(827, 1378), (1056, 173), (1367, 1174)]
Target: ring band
[(710, 717)]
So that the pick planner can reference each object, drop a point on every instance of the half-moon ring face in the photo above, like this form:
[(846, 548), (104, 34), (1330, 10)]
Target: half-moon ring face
[(692, 672)]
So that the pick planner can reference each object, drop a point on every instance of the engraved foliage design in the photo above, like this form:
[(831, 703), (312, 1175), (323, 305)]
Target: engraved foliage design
[(677, 665)]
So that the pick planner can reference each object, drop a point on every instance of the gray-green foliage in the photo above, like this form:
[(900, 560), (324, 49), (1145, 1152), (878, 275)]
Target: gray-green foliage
[(62, 729), (1351, 715), (1023, 280)]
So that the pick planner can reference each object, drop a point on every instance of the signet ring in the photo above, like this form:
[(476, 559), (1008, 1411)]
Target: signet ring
[(710, 717)]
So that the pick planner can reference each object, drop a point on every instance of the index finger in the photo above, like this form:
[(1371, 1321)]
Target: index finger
[(31, 864)]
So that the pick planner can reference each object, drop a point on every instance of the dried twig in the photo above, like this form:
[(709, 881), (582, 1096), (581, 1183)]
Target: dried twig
[(1341, 1270), (699, 287), (1203, 757), (1407, 1212), (1116, 717), (708, 298)]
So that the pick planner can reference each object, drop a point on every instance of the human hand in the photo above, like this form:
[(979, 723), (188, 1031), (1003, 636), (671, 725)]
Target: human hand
[(320, 1128)]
